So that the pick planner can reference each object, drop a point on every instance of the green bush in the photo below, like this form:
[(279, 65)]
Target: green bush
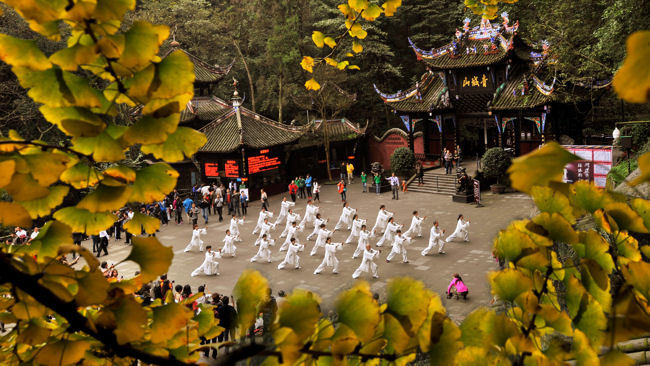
[(639, 133), (620, 171), (402, 162), (495, 163)]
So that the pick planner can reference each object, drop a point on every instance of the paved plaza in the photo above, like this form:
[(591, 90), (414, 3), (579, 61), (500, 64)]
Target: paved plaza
[(472, 260)]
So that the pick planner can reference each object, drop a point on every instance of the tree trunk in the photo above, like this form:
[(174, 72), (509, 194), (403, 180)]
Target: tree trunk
[(326, 141), (248, 73), (280, 99)]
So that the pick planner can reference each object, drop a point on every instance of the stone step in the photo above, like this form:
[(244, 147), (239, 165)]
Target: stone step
[(420, 190)]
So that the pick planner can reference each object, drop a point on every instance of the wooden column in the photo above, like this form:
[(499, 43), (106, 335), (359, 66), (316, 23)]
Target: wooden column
[(517, 128)]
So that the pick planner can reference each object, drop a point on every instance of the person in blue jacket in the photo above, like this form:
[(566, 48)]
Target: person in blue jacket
[(308, 183)]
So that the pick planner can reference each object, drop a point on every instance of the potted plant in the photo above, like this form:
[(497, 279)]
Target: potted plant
[(496, 162)]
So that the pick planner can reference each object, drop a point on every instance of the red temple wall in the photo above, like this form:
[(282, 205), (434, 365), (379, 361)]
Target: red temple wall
[(382, 150)]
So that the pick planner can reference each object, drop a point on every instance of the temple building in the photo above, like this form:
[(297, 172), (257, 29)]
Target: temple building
[(487, 88)]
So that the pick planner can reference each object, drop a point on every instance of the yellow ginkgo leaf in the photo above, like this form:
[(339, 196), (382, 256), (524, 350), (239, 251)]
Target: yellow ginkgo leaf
[(342, 65), (13, 214), (644, 166), (356, 47), (318, 38), (22, 53), (331, 61), (390, 7), (358, 5), (632, 80), (153, 257), (347, 11), (354, 67), (312, 84), (307, 63), (539, 167), (371, 13), (349, 54), (357, 31), (330, 42), (139, 221), (62, 352)]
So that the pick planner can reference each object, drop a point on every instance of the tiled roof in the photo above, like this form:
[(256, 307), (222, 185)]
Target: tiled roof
[(509, 94), (258, 132), (429, 94), (337, 129), (204, 72), (205, 109)]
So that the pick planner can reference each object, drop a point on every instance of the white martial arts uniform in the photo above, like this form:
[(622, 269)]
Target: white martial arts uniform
[(264, 252), (323, 234), (229, 247), (363, 241), (382, 220), (462, 231), (346, 218), (291, 217), (292, 258), (196, 240), (260, 220), (367, 263), (435, 239), (290, 234), (389, 234), (265, 228), (330, 259), (356, 228), (310, 215), (399, 243), (416, 227), (210, 265), (285, 205), (234, 227), (317, 224)]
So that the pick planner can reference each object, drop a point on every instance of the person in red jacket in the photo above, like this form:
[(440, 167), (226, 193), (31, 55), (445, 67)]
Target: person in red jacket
[(342, 189), (293, 189)]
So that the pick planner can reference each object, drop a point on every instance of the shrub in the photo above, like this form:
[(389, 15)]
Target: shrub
[(495, 163), (402, 162)]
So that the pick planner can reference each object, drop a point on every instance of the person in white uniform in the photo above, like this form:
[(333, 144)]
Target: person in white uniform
[(382, 220), (265, 230), (210, 265), (264, 215), (292, 258), (264, 252), (323, 234), (368, 263), (290, 235), (416, 226), (356, 227), (317, 223), (364, 234), (330, 259), (196, 239), (229, 247), (285, 206), (462, 230), (389, 233), (435, 239), (234, 227), (399, 247), (345, 220), (291, 217), (310, 214)]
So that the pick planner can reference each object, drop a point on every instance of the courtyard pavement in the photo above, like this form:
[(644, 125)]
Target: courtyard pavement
[(473, 260)]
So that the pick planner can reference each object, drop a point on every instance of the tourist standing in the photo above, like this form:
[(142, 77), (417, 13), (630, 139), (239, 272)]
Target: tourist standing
[(301, 187), (243, 199), (350, 169), (448, 163), (394, 185), (457, 156), (377, 180), (343, 170), (316, 191), (364, 180), (236, 206), (308, 185), (293, 188), (264, 198), (419, 172), (218, 205), (341, 189)]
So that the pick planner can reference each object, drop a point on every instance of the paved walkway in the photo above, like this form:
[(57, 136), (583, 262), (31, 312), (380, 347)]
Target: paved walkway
[(472, 260)]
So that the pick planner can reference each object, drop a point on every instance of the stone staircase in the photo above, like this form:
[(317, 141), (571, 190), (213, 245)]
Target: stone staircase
[(435, 182)]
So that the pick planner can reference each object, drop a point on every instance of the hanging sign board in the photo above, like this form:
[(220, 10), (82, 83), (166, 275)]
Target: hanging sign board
[(232, 169), (211, 170)]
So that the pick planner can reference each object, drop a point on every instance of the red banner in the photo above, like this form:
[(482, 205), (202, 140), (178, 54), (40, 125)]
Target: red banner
[(232, 169), (211, 169)]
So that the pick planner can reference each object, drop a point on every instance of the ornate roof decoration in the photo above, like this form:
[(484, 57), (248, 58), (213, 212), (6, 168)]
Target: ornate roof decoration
[(204, 108), (428, 94), (398, 131), (204, 72)]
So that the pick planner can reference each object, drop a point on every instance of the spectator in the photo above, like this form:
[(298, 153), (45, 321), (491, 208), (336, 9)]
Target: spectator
[(350, 170), (301, 187), (316, 191), (308, 185), (342, 189), (419, 172), (194, 214), (227, 320), (457, 288), (293, 188), (205, 205), (218, 205), (264, 198), (235, 197), (394, 185), (243, 199), (343, 170), (364, 182), (377, 180)]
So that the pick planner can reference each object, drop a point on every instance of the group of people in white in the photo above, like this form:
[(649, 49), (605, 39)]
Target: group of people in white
[(385, 227)]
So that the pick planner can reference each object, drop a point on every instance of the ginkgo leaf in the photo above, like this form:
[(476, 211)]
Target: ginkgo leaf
[(354, 67), (644, 166), (347, 11), (105, 147), (70, 58), (139, 221), (408, 298), (300, 312), (25, 188), (443, 352), (358, 5), (390, 7), (632, 80), (120, 173), (169, 319), (330, 61), (173, 81), (625, 217), (372, 12), (151, 130), (46, 167), (642, 207), (395, 334), (22, 53), (153, 257), (330, 42), (14, 214), (83, 221), (356, 47), (182, 143), (318, 38), (555, 226), (50, 237), (589, 197), (105, 198), (548, 200), (342, 65), (616, 358), (250, 293), (74, 121), (153, 183), (93, 288), (508, 284), (62, 352), (43, 206), (637, 274), (307, 63), (356, 30), (344, 341), (34, 334), (112, 9), (141, 45), (81, 175), (539, 167), (130, 319), (312, 84), (7, 168), (358, 310)]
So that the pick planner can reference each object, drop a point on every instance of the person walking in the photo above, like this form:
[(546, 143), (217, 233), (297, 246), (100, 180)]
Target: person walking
[(193, 214), (103, 243), (341, 189), (364, 180), (394, 185), (377, 180), (350, 170)]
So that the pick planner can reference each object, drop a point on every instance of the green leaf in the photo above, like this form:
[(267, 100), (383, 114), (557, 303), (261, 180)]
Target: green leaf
[(153, 257), (511, 243), (589, 197), (408, 300), (539, 167), (358, 310), (593, 246), (142, 41), (548, 200), (62, 352), (318, 38), (168, 320), (14, 214), (50, 237), (153, 183), (84, 221), (632, 80), (443, 352), (300, 312), (642, 207), (508, 284), (105, 198), (183, 142), (250, 293), (397, 337), (139, 221)]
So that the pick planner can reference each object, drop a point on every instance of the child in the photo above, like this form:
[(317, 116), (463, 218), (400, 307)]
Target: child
[(457, 287)]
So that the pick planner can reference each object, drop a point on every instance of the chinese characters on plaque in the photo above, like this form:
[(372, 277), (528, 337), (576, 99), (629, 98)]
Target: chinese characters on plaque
[(474, 81)]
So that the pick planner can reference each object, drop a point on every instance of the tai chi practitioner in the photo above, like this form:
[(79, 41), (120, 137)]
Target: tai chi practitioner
[(196, 239), (229, 247), (264, 215), (323, 234), (416, 226), (234, 227), (330, 259), (356, 227), (346, 217), (285, 206), (382, 220), (310, 214), (368, 263), (435, 239), (364, 234), (389, 233), (265, 230), (292, 258), (461, 231), (399, 243), (317, 223), (210, 265), (291, 217), (290, 235), (264, 252)]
